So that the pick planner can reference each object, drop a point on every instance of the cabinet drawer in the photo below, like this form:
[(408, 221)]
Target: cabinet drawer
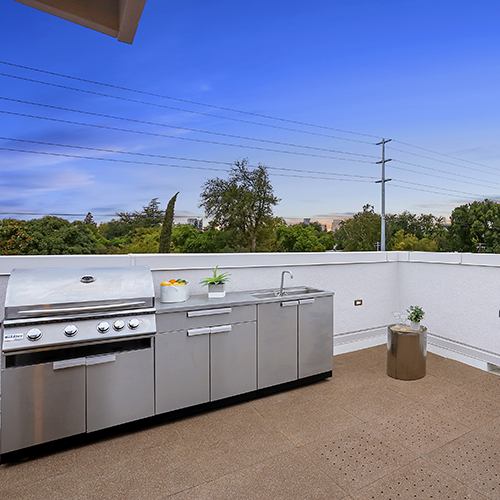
[(198, 318)]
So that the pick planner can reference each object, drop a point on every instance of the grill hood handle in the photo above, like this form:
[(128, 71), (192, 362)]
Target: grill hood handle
[(39, 312)]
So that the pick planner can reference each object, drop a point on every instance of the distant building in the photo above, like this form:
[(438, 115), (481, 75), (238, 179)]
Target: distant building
[(307, 222), (336, 224), (197, 223)]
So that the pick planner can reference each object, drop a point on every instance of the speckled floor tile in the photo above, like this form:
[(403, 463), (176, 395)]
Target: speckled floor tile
[(61, 487), (486, 385), (201, 492), (418, 480), (453, 371), (308, 421), (465, 406), (371, 401), (419, 428), (285, 477), (469, 457), (357, 457), (420, 389), (492, 429)]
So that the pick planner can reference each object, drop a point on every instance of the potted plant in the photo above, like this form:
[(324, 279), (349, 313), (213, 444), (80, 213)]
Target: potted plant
[(216, 284), (415, 315)]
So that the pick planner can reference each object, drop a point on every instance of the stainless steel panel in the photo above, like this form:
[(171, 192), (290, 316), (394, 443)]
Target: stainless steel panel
[(182, 370), (233, 361), (277, 344), (209, 312), (169, 322), (120, 391), (41, 404), (316, 337), (63, 289)]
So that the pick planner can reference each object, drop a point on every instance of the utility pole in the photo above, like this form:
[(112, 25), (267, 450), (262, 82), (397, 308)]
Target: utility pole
[(383, 181)]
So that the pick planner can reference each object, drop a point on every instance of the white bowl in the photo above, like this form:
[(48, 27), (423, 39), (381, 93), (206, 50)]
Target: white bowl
[(174, 293)]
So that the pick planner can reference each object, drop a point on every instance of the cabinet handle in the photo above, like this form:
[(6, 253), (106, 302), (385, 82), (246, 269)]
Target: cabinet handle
[(99, 360), (209, 312), (198, 331), (306, 301), (290, 303), (220, 329), (68, 363)]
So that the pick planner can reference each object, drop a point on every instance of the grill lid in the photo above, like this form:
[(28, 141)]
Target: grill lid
[(38, 293)]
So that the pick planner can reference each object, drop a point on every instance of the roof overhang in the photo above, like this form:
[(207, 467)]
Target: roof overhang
[(116, 18)]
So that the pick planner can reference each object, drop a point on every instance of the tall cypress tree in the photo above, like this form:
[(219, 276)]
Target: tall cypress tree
[(166, 230)]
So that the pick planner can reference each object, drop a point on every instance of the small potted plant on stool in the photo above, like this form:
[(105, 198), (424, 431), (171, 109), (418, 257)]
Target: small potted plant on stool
[(415, 315)]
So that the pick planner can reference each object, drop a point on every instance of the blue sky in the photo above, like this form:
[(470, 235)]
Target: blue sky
[(423, 73)]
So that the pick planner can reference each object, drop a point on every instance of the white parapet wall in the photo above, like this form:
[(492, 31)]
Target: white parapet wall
[(458, 292)]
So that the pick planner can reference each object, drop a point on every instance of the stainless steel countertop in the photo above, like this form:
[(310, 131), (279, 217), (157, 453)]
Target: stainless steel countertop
[(201, 301)]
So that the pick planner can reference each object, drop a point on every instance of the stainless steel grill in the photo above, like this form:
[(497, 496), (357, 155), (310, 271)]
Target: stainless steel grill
[(47, 307), (73, 343)]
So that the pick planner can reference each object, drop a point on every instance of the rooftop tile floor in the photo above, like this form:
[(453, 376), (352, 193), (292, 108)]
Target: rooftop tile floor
[(360, 435)]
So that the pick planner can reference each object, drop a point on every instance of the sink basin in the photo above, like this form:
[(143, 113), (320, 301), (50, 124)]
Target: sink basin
[(287, 292)]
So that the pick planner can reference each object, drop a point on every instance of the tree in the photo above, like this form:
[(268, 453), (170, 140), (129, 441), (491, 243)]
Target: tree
[(243, 203), (409, 242), (298, 238), (14, 237), (56, 236), (166, 230), (475, 227), (361, 233)]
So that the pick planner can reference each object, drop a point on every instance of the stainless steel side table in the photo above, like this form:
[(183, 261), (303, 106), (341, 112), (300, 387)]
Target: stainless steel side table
[(406, 352)]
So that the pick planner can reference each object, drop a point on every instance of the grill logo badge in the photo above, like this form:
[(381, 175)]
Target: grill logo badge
[(9, 337)]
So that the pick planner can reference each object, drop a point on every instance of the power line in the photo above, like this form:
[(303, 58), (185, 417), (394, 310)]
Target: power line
[(186, 100), (442, 189), (447, 162), (442, 154), (156, 124), (135, 153), (66, 155), (136, 101), (440, 176), (117, 129)]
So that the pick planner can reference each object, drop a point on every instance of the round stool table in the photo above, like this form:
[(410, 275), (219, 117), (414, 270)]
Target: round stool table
[(406, 352)]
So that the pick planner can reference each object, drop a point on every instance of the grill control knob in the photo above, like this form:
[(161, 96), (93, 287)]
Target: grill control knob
[(134, 323), (70, 330), (119, 325), (103, 327), (34, 334)]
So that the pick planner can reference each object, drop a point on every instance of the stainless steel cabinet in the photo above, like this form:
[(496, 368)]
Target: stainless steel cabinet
[(51, 404), (277, 342), (182, 370), (295, 339), (120, 388), (210, 354), (315, 337)]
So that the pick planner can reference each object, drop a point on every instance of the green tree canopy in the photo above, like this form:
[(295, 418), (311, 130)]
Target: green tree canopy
[(475, 227), (243, 203), (300, 238), (361, 233)]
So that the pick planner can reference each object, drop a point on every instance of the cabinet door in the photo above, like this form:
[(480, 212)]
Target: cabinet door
[(42, 403), (315, 336), (233, 360), (182, 369), (120, 388), (277, 343)]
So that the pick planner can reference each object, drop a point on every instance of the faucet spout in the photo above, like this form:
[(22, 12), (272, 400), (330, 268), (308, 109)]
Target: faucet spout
[(282, 291)]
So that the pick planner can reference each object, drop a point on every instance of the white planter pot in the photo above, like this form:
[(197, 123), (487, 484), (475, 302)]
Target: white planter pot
[(414, 326), (216, 291), (178, 293)]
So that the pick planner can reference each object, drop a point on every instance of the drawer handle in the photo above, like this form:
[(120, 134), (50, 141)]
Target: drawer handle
[(306, 301), (290, 303), (68, 363), (220, 329), (198, 331), (99, 360), (209, 312)]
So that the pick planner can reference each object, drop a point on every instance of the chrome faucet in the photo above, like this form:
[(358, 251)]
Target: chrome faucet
[(282, 291)]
